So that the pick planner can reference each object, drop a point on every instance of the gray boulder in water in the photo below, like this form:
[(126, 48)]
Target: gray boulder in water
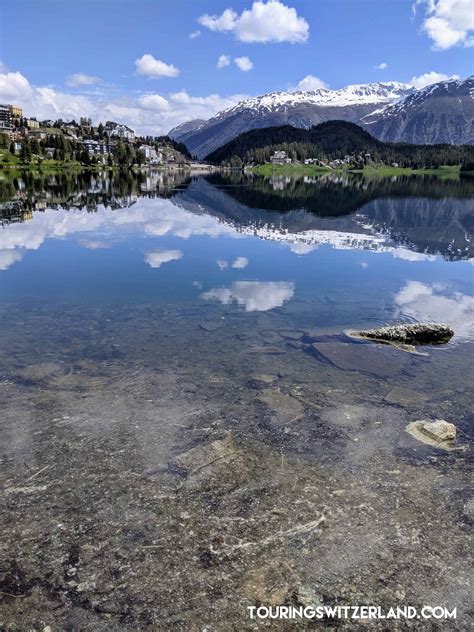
[(411, 334)]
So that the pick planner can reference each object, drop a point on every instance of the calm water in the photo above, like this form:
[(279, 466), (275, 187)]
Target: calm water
[(329, 253), (181, 411)]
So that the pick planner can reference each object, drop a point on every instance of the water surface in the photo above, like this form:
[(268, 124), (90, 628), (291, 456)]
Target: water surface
[(179, 396)]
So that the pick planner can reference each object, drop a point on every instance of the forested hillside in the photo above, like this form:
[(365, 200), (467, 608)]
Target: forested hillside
[(334, 140)]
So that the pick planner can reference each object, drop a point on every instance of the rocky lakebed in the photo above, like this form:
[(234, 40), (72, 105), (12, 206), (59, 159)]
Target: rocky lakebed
[(165, 468)]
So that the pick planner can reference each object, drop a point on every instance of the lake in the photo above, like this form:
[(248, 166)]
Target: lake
[(184, 418)]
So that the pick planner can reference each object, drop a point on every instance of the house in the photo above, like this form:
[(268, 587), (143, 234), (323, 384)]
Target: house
[(149, 152), (32, 124), (280, 158), (96, 147), (39, 134), (118, 130)]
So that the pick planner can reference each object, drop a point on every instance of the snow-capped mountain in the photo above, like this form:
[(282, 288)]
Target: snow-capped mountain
[(440, 113), (301, 109), (392, 111)]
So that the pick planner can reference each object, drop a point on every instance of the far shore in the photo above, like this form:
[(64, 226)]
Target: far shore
[(268, 169)]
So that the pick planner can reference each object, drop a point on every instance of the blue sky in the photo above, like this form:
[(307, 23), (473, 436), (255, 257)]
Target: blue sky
[(89, 50)]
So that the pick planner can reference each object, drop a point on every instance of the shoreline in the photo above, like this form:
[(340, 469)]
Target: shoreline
[(298, 169)]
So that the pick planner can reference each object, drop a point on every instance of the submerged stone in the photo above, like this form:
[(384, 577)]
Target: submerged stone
[(285, 406), (410, 334), (211, 325), (349, 356), (440, 430), (439, 433), (261, 380), (405, 397)]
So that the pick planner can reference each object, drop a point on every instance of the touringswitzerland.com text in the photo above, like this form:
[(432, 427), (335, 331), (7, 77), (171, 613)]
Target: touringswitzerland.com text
[(350, 612)]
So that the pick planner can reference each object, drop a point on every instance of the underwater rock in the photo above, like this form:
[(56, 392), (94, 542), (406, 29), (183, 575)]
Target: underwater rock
[(42, 371), (439, 430), (410, 334), (261, 380), (211, 325), (308, 597), (439, 433), (269, 585), (401, 396), (216, 466), (285, 406), (350, 356)]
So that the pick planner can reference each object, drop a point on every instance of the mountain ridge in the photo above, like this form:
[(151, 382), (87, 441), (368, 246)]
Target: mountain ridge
[(365, 104)]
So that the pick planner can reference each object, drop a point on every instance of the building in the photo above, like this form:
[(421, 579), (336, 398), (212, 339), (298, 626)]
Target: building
[(5, 118), (16, 111), (280, 158), (149, 151), (97, 148), (118, 130), (32, 124), (39, 134), (7, 114)]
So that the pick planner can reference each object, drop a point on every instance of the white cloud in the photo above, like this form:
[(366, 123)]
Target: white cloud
[(448, 22), (9, 257), (147, 114), (194, 34), (153, 102), (429, 78), (223, 61), (424, 302), (93, 244), (79, 79), (310, 82), (222, 264), (243, 63), (240, 263), (412, 255), (13, 85), (253, 295), (271, 21), (381, 66), (151, 67), (158, 258), (300, 248), (224, 22)]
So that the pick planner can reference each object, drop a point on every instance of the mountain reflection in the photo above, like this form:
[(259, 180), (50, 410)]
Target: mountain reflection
[(416, 218)]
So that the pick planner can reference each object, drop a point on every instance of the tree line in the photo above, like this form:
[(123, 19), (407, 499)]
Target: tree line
[(334, 140)]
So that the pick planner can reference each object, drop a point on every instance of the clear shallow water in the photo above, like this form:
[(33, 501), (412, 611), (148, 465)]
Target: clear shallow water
[(185, 431)]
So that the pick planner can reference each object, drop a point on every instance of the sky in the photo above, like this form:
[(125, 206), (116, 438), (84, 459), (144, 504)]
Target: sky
[(154, 64)]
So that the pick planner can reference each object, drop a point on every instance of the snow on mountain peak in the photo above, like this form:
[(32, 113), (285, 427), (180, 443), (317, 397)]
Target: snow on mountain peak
[(358, 94)]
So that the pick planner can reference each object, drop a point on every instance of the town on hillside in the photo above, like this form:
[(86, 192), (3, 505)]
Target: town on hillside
[(30, 141)]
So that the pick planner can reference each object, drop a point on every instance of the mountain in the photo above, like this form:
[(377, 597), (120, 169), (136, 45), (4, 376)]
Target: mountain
[(181, 132), (300, 109), (440, 113), (334, 140)]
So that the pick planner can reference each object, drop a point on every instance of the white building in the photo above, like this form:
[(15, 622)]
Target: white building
[(118, 130), (149, 151), (280, 158), (96, 147)]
